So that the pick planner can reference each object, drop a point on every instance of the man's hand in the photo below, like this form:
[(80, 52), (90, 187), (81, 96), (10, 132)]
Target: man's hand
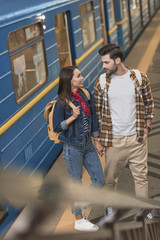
[(99, 148)]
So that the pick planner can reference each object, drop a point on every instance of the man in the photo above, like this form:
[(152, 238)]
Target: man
[(124, 108)]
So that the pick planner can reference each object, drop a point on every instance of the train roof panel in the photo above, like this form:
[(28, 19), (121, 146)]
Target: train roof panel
[(11, 9)]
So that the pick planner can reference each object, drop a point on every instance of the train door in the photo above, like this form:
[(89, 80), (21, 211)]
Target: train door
[(145, 11), (125, 10), (87, 20), (103, 21), (136, 18), (63, 39)]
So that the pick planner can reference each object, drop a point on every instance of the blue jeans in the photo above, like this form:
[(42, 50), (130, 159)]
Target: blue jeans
[(76, 157)]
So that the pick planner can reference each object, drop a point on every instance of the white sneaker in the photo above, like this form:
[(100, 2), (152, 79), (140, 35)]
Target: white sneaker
[(85, 226)]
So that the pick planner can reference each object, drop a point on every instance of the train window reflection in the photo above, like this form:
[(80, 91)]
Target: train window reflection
[(87, 24), (63, 39), (134, 4), (21, 37), (113, 13), (28, 71), (103, 20), (124, 9), (28, 61)]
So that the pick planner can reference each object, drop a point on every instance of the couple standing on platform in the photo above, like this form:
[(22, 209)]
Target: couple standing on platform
[(118, 118)]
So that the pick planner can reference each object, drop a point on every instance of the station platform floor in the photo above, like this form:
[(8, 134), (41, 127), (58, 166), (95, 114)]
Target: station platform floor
[(145, 56)]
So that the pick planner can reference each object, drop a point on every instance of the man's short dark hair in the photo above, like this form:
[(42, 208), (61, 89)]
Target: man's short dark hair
[(114, 50)]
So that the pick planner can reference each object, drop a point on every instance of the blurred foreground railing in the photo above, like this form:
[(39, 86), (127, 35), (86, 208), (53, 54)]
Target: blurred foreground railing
[(147, 229), (45, 197)]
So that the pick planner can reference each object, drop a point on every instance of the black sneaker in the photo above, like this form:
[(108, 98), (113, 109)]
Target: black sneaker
[(143, 213), (109, 218)]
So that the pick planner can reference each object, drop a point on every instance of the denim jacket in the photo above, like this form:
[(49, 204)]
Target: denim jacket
[(74, 133)]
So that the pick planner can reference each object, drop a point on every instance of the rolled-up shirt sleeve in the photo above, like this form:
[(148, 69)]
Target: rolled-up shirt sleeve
[(64, 126)]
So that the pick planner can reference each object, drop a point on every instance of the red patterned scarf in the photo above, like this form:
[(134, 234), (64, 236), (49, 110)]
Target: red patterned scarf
[(82, 102)]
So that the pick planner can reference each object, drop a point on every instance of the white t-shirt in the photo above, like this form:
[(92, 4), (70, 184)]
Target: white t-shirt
[(122, 105)]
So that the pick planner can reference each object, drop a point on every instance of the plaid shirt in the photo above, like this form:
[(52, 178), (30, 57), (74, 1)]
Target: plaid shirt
[(144, 107)]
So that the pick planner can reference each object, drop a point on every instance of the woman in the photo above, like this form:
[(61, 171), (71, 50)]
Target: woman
[(78, 125)]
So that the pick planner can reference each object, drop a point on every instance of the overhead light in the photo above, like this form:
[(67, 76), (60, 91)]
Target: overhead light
[(42, 18)]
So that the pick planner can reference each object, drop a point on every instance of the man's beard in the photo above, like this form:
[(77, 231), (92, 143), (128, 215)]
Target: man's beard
[(113, 70)]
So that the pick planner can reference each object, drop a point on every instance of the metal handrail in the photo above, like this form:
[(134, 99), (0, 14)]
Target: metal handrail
[(146, 229)]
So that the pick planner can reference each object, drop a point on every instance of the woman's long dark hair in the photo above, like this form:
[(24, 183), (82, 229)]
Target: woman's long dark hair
[(65, 77)]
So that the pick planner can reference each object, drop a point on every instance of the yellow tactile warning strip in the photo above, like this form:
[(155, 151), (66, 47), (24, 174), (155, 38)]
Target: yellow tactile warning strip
[(150, 51), (66, 223)]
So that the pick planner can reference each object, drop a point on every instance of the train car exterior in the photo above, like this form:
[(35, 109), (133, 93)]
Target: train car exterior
[(38, 38), (131, 18)]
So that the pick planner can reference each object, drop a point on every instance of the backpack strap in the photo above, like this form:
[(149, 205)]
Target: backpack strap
[(86, 93), (138, 76), (50, 104), (70, 104), (102, 81), (48, 109)]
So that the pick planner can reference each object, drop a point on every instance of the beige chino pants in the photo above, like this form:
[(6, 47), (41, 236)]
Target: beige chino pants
[(127, 150)]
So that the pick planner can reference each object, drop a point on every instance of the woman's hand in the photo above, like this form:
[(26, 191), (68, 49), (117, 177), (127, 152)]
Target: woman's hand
[(76, 112)]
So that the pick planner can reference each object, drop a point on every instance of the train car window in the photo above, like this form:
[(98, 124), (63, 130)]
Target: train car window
[(103, 21), (124, 9), (21, 37), (28, 64), (87, 24), (113, 13), (125, 15), (63, 39)]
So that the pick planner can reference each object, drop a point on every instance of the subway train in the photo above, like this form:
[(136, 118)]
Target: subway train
[(37, 39)]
